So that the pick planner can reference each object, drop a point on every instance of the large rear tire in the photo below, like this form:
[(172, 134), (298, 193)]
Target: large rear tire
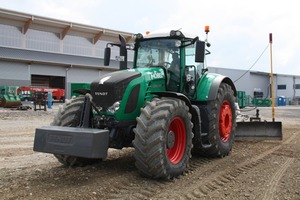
[(69, 115), (222, 123), (163, 138)]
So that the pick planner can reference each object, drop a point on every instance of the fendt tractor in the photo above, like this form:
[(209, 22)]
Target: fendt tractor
[(167, 106)]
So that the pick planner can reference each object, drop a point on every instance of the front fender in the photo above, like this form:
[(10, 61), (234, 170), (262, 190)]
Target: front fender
[(182, 97), (174, 95)]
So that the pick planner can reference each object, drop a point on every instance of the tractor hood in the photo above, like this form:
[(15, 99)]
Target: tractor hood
[(110, 87)]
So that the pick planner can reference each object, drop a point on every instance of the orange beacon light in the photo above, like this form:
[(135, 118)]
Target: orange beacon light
[(206, 29)]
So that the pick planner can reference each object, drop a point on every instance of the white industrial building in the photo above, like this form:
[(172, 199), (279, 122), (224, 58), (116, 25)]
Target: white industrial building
[(286, 86), (46, 52), (40, 51)]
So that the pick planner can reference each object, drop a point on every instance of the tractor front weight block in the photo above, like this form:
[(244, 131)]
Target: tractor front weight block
[(80, 142)]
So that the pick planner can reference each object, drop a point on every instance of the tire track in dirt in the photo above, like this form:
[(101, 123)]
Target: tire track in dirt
[(15, 141), (138, 188), (216, 181), (196, 163), (16, 147), (135, 188), (7, 134), (119, 179), (15, 144), (269, 194), (291, 138), (109, 177), (200, 166), (7, 153), (129, 185), (23, 161), (149, 189)]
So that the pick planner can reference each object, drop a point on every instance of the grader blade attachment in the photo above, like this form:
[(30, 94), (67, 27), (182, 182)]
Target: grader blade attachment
[(259, 130)]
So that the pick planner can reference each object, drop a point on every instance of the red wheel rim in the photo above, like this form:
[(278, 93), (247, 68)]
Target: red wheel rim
[(175, 153), (225, 121)]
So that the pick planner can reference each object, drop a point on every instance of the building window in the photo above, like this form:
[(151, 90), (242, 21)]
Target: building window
[(281, 87), (297, 86)]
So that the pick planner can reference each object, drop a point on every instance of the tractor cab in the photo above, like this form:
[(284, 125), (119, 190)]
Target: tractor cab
[(182, 58)]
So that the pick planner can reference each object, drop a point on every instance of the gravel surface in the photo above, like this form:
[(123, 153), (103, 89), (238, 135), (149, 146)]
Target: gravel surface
[(265, 170)]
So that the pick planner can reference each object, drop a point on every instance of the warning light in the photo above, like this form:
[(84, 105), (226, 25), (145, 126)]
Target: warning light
[(206, 29), (147, 32)]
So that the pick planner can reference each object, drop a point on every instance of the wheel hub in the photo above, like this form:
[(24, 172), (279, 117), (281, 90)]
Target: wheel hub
[(225, 121), (176, 140), (170, 139)]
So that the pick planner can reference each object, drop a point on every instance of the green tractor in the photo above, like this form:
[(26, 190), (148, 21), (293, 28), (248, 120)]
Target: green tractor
[(167, 106)]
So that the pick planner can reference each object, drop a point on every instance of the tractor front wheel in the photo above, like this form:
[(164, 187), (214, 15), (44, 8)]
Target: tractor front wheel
[(163, 138)]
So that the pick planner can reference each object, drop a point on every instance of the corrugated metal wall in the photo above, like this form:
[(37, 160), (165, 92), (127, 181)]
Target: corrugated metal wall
[(14, 73), (288, 81), (297, 91), (260, 83), (39, 69), (42, 41), (235, 76), (14, 70), (79, 75), (11, 36)]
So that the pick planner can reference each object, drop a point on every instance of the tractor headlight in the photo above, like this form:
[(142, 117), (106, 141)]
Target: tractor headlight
[(177, 43), (139, 36), (176, 33), (114, 108)]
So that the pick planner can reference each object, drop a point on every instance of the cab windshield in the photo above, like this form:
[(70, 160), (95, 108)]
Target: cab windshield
[(156, 52)]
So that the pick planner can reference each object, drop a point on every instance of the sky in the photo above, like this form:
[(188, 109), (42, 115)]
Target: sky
[(239, 30)]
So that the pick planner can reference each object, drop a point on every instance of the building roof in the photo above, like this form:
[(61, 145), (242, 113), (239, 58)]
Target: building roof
[(62, 28)]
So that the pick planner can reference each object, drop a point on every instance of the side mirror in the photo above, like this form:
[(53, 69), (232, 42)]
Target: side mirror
[(200, 51), (106, 56)]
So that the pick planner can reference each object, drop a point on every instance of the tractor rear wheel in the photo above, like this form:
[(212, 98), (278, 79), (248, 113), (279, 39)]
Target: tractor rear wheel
[(69, 115), (163, 138), (222, 123)]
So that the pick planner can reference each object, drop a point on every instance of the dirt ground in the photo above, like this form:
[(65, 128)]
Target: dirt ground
[(265, 170)]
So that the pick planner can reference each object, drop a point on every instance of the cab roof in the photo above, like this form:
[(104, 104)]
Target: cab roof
[(166, 33)]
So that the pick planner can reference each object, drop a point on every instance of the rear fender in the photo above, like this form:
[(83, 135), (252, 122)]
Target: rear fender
[(209, 85), (207, 91)]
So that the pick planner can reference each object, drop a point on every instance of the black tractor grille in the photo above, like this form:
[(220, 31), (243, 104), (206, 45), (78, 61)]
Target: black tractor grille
[(111, 87)]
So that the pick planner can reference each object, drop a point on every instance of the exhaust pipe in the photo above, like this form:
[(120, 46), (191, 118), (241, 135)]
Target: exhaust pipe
[(123, 53)]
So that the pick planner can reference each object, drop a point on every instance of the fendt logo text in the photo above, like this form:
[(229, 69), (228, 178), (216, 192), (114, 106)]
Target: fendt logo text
[(101, 93), (156, 75)]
